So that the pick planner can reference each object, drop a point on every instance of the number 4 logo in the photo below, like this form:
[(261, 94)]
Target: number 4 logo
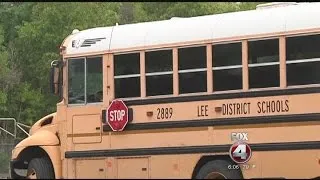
[(240, 152)]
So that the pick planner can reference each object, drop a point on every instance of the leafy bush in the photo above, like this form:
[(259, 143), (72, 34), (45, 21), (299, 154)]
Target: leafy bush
[(4, 162)]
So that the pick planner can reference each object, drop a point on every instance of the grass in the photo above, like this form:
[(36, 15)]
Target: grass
[(4, 162)]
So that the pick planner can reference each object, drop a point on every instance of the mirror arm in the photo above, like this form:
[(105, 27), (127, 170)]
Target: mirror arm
[(55, 86), (57, 63)]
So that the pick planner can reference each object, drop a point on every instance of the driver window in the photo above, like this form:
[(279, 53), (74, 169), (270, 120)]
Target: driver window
[(76, 81), (85, 80), (94, 80)]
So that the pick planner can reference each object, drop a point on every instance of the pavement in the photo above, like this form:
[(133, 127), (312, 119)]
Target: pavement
[(21, 172), (4, 175)]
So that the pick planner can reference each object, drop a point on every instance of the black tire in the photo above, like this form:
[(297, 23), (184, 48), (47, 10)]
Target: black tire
[(42, 167), (219, 167)]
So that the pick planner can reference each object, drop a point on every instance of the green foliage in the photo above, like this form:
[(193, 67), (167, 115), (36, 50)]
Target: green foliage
[(4, 162), (150, 11), (31, 33)]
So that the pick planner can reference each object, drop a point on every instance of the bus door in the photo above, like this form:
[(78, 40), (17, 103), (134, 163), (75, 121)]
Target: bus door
[(85, 99)]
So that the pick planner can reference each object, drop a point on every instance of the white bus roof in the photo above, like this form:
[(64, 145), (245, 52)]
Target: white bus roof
[(210, 27)]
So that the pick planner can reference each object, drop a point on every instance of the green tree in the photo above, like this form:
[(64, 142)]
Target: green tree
[(150, 11), (4, 159), (13, 14), (37, 44)]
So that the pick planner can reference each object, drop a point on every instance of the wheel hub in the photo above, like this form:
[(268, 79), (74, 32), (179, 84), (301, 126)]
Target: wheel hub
[(215, 175)]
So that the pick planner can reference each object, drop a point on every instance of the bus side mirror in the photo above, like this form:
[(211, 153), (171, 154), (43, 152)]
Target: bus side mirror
[(55, 77)]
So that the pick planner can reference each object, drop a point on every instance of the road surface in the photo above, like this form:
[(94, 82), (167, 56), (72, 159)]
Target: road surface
[(3, 176)]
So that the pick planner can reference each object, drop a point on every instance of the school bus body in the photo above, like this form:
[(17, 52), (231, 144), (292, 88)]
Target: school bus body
[(173, 136), (281, 141), (283, 144)]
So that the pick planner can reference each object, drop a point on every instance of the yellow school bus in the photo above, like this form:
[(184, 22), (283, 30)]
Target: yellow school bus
[(169, 99)]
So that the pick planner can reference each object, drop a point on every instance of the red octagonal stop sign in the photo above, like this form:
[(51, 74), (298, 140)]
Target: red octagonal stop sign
[(117, 115)]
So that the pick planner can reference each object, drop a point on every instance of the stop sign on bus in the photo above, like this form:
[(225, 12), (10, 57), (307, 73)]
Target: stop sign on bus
[(117, 115)]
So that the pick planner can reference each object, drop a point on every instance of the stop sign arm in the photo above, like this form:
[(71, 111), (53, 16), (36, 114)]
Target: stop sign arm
[(130, 114), (104, 116)]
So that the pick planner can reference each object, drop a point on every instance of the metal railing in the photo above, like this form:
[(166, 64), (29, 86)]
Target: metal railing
[(16, 125), (9, 136)]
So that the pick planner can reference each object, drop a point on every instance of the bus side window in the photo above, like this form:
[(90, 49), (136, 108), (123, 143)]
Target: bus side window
[(227, 66), (76, 81), (127, 75), (159, 73), (303, 60), (263, 63), (94, 80), (192, 64)]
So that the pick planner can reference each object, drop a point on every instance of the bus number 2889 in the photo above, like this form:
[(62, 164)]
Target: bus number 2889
[(164, 113)]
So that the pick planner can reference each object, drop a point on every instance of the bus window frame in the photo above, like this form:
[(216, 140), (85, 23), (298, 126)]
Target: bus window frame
[(264, 64), (194, 70), (298, 61), (245, 58), (157, 73), (241, 66), (85, 80), (125, 76)]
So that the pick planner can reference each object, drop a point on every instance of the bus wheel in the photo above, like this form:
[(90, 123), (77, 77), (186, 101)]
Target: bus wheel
[(40, 168), (218, 169)]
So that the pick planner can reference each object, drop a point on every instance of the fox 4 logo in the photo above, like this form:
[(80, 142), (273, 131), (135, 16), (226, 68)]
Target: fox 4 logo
[(240, 152), (239, 136)]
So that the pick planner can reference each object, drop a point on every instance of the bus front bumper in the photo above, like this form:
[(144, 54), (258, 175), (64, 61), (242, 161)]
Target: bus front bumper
[(16, 164)]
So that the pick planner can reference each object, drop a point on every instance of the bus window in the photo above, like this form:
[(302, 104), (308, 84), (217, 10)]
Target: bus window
[(303, 60), (94, 80), (76, 81), (263, 63), (159, 74), (192, 69), (127, 75), (227, 66)]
